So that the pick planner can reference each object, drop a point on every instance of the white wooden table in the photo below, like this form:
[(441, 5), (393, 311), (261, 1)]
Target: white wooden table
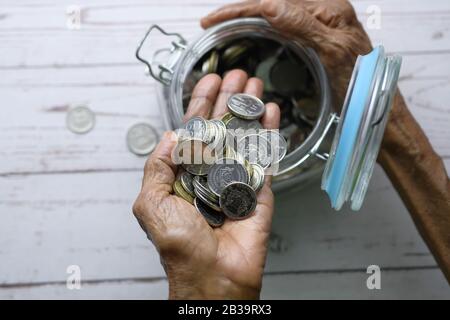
[(66, 199)]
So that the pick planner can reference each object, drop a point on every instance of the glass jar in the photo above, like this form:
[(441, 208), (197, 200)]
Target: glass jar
[(348, 165)]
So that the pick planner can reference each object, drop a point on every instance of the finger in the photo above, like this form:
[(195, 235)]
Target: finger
[(271, 118), (241, 9), (232, 83), (203, 97), (294, 19), (254, 87), (159, 170)]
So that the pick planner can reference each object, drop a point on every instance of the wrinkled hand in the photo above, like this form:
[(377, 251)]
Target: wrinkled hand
[(328, 26), (202, 262)]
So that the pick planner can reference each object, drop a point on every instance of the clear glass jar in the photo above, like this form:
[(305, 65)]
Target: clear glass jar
[(359, 131), (182, 58)]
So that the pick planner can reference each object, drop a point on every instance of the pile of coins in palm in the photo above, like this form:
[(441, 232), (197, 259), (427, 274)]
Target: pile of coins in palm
[(286, 77), (226, 160)]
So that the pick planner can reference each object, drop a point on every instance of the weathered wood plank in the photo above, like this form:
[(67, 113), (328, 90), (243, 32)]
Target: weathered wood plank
[(35, 138), (401, 284), (110, 32), (86, 219), (396, 284)]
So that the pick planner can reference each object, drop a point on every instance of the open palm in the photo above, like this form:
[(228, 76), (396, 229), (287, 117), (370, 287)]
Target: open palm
[(200, 261)]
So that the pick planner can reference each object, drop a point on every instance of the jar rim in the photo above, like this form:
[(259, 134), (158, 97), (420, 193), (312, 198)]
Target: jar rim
[(241, 28)]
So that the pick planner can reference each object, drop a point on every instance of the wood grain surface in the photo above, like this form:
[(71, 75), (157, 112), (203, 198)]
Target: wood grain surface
[(66, 199)]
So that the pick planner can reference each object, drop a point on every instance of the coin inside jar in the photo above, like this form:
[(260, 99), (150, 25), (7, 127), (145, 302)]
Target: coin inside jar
[(224, 172), (246, 106), (238, 200), (196, 128), (288, 76), (210, 65)]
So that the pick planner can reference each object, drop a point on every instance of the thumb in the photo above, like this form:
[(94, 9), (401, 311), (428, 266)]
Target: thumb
[(294, 19), (159, 171)]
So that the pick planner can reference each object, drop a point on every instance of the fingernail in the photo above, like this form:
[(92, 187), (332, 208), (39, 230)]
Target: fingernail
[(270, 8)]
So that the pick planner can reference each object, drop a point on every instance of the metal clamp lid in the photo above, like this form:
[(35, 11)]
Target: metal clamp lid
[(359, 134), (172, 55)]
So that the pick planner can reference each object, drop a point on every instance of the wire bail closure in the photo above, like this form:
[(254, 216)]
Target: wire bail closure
[(166, 69)]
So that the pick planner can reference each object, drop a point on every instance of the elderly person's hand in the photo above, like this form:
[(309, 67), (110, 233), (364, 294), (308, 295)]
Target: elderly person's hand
[(203, 262), (328, 26), (332, 29)]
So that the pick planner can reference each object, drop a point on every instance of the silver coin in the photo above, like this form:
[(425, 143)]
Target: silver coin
[(201, 184), (278, 145), (255, 149), (288, 76), (232, 54), (214, 218), (246, 106), (238, 200), (142, 139), (196, 128), (237, 123), (186, 182), (263, 73), (80, 120), (220, 134), (212, 204), (225, 172), (257, 179), (194, 155)]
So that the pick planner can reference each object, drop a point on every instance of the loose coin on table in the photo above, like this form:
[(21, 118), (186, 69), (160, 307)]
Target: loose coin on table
[(142, 139), (80, 120), (246, 106), (224, 172), (238, 200), (213, 217)]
